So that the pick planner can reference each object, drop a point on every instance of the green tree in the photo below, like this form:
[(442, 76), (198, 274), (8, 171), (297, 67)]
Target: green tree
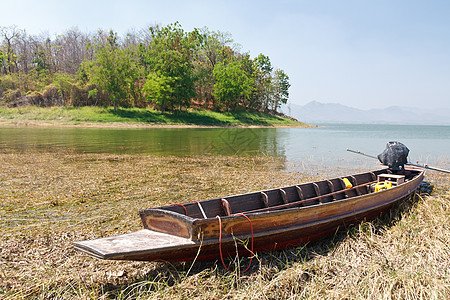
[(216, 47), (159, 89), (2, 60), (170, 61), (263, 80), (64, 83), (40, 60), (249, 66), (281, 87), (232, 86), (113, 70)]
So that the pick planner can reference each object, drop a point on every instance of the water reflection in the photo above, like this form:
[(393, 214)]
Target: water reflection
[(307, 147), (158, 141)]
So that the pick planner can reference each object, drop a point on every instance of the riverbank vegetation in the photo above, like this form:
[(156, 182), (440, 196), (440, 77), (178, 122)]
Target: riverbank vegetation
[(162, 67), (48, 203), (139, 117)]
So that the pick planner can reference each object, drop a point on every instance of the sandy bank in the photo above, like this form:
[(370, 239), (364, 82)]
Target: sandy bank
[(131, 125)]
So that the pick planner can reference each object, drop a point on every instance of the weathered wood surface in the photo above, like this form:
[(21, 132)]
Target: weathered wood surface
[(169, 234), (121, 246)]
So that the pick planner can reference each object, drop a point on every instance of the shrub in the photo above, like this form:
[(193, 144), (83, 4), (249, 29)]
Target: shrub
[(52, 96), (11, 97)]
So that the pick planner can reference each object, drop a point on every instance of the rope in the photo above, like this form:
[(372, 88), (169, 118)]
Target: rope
[(220, 243), (201, 209), (185, 210)]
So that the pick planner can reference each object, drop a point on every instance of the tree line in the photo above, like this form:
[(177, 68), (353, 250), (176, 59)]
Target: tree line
[(162, 66)]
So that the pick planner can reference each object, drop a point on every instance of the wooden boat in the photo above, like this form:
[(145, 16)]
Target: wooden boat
[(266, 220)]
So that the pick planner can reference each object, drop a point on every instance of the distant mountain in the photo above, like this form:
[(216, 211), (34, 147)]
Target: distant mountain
[(316, 112)]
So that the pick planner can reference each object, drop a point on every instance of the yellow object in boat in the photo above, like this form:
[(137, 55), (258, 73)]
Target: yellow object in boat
[(380, 186), (347, 183)]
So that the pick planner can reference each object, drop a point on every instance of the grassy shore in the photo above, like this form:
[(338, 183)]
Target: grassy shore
[(49, 200), (73, 116)]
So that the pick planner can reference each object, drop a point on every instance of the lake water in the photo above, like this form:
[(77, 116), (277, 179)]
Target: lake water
[(302, 148)]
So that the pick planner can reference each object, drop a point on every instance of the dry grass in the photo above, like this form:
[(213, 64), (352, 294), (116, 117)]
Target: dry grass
[(49, 200)]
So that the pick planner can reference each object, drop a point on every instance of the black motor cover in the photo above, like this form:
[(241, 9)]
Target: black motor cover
[(395, 155)]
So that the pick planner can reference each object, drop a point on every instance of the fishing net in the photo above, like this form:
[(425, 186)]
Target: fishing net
[(395, 155)]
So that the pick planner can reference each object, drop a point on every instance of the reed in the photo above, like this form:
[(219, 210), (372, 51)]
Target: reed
[(49, 200)]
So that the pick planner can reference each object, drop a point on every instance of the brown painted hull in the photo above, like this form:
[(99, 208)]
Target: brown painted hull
[(280, 218)]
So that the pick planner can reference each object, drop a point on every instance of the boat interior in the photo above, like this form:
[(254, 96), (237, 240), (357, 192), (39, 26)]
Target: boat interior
[(301, 195)]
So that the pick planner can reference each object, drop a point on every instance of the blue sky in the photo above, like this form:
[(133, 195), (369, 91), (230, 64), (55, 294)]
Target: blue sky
[(364, 54)]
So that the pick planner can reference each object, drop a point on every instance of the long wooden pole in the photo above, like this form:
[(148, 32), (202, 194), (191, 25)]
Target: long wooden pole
[(425, 166)]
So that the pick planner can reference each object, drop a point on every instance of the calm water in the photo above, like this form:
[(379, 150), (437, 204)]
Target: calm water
[(301, 147)]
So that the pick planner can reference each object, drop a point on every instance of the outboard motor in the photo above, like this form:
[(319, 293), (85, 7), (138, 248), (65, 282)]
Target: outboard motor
[(395, 156)]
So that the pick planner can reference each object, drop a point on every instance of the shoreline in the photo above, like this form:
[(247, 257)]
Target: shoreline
[(121, 125), (99, 117)]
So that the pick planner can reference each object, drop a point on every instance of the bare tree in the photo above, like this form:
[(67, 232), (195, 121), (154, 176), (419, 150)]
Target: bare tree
[(70, 49), (9, 36)]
